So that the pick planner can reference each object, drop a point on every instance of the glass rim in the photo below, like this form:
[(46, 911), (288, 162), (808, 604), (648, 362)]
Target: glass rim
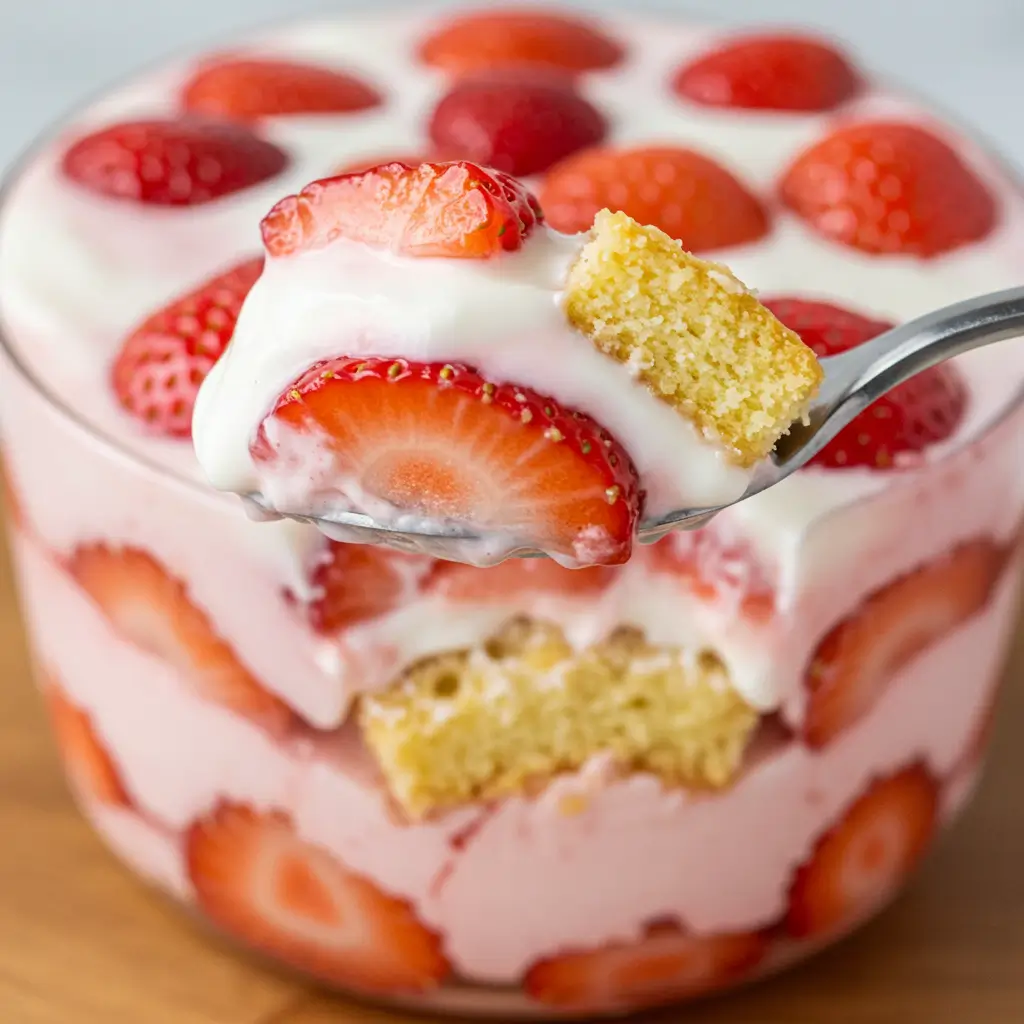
[(120, 451)]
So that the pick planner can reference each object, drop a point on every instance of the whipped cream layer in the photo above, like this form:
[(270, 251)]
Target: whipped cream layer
[(501, 316)]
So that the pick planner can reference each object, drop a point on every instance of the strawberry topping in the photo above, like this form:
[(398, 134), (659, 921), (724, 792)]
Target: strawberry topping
[(163, 362), (453, 209), (769, 72), (441, 441), (518, 124), (244, 90), (472, 42), (172, 163), (902, 424), (889, 188), (678, 190)]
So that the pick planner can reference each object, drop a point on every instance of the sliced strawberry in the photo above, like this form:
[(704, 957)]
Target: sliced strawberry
[(516, 578), (89, 767), (769, 72), (364, 164), (472, 42), (259, 881), (172, 163), (664, 966), (152, 609), (518, 123), (441, 441), (678, 190), (717, 569), (453, 209), (889, 188), (856, 661), (908, 420), (157, 374), (245, 90), (864, 857), (359, 582)]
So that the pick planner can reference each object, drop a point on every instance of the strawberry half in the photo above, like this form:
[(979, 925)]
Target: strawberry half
[(516, 578), (151, 608), (456, 209), (157, 374), (172, 163), (246, 90), (678, 190), (863, 859), (769, 72), (889, 188), (443, 442), (259, 881), (473, 42), (520, 124), (89, 767), (358, 582), (665, 966), (856, 661), (921, 412)]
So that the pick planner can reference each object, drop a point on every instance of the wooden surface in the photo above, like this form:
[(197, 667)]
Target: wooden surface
[(82, 943)]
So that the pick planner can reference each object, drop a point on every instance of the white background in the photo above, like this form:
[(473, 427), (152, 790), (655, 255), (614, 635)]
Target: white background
[(967, 54)]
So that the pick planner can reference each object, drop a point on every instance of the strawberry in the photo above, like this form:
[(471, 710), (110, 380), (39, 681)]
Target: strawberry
[(520, 124), (447, 209), (259, 881), (441, 441), (863, 858), (151, 608), (88, 766), (364, 164), (358, 582), (245, 90), (516, 578), (157, 374), (488, 39), (856, 661), (14, 513), (715, 569), (685, 194), (664, 966), (889, 188), (902, 424), (769, 72), (172, 163)]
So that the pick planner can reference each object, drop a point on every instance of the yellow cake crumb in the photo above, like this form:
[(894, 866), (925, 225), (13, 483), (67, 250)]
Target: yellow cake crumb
[(693, 333), (523, 706)]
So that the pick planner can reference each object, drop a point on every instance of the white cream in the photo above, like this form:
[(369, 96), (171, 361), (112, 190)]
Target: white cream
[(503, 316)]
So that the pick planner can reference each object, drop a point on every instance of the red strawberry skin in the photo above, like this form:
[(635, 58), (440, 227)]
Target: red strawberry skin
[(769, 72), (520, 124), (172, 163), (245, 90), (864, 857), (162, 363), (684, 193), (441, 441), (888, 188), (483, 40), (894, 431), (856, 661), (457, 210)]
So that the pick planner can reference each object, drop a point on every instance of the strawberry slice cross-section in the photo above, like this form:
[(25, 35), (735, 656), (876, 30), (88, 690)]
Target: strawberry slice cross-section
[(442, 442)]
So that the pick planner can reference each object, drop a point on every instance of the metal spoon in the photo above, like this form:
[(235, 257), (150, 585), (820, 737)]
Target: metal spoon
[(852, 382)]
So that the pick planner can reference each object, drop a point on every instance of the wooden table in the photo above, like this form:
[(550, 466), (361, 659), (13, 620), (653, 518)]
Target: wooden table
[(81, 942)]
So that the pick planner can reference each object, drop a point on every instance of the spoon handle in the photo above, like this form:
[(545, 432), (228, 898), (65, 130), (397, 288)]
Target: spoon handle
[(857, 378)]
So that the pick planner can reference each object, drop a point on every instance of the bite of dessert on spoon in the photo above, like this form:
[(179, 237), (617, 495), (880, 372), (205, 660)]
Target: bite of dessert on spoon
[(424, 363)]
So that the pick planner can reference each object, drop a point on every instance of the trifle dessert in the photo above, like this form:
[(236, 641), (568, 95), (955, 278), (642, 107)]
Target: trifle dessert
[(522, 789)]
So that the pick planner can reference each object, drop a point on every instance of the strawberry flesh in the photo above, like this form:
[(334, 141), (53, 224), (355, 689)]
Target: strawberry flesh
[(458, 210), (172, 163), (443, 442), (902, 424)]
